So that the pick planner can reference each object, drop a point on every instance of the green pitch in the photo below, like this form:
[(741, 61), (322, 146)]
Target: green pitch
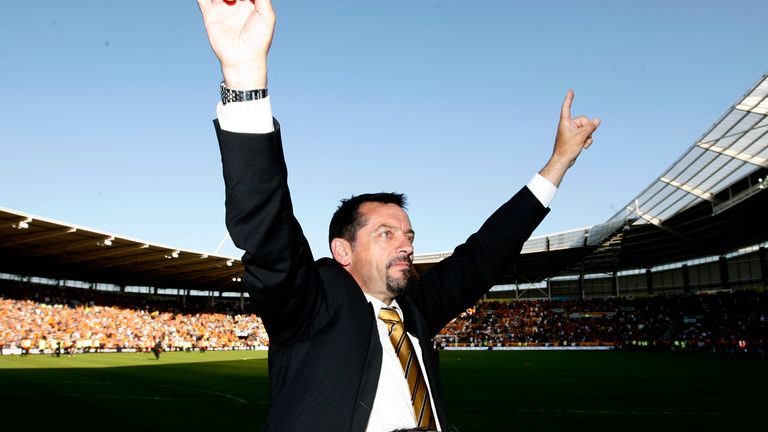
[(485, 391)]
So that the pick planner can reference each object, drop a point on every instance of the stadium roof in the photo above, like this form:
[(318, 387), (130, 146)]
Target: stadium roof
[(709, 202), (31, 245), (733, 149)]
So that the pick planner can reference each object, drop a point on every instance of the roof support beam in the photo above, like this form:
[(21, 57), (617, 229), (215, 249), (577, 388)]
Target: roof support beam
[(657, 222), (654, 220), (709, 196), (69, 245), (108, 251), (24, 238), (185, 261), (166, 256), (755, 103), (755, 160)]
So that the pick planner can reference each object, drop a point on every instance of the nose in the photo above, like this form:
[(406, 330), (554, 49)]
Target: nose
[(406, 245)]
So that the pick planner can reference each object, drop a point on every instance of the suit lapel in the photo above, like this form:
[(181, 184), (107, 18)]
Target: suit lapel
[(370, 379)]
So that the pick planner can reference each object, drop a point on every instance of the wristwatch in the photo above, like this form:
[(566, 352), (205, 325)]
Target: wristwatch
[(229, 95)]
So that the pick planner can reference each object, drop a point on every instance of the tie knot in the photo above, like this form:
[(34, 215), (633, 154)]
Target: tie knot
[(389, 315)]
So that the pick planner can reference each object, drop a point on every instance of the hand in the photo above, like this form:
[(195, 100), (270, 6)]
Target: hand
[(573, 136), (240, 33)]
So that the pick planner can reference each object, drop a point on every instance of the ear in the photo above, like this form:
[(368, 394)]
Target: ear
[(342, 251)]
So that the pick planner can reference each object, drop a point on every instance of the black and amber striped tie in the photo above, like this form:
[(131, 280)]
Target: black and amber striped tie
[(422, 408)]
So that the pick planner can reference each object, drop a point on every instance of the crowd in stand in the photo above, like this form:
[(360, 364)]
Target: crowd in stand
[(49, 321), (719, 322), (53, 319)]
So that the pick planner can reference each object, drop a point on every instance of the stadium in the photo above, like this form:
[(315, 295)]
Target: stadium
[(658, 314)]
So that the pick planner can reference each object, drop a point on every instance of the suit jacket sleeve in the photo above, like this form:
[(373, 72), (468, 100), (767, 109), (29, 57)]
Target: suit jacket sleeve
[(460, 280), (279, 269)]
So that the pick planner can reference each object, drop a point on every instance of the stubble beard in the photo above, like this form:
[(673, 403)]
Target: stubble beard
[(398, 285)]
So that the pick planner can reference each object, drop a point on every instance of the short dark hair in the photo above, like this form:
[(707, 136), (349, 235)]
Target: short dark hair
[(347, 220)]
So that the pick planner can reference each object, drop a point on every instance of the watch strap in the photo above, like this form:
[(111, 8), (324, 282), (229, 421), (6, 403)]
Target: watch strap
[(230, 95)]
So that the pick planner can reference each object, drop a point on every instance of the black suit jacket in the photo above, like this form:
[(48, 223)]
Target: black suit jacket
[(325, 355)]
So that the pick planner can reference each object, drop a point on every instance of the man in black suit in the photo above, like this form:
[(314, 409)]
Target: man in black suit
[(350, 337)]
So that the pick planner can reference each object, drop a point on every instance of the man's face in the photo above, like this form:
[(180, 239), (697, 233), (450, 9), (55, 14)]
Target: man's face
[(381, 258)]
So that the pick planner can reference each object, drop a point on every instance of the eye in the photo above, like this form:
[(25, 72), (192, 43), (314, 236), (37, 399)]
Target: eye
[(386, 234)]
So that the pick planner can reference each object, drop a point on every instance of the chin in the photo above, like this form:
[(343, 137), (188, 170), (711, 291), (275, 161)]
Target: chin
[(398, 286)]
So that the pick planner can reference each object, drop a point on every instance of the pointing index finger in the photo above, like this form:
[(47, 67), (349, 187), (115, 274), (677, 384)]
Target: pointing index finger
[(565, 111)]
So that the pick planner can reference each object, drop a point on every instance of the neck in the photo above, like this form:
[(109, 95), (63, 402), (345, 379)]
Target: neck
[(383, 295), (386, 299)]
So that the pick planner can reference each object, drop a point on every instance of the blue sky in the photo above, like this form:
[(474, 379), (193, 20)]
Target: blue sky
[(106, 107)]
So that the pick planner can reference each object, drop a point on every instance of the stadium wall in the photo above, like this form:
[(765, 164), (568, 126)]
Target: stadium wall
[(747, 268)]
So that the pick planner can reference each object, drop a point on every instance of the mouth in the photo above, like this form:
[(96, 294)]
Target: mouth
[(402, 262)]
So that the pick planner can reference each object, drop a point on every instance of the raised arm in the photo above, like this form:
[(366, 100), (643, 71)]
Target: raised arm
[(279, 272), (461, 279), (240, 33), (573, 136)]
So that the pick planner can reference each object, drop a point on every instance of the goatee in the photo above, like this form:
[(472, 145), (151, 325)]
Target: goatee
[(399, 286)]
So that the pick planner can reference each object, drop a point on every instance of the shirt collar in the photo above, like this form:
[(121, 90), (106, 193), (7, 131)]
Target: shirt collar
[(378, 304)]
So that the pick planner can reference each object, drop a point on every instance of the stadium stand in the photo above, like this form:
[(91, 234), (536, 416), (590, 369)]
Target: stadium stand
[(70, 321), (722, 322), (48, 319), (635, 280)]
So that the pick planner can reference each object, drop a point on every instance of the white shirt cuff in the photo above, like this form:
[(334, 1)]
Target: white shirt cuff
[(246, 117), (542, 189)]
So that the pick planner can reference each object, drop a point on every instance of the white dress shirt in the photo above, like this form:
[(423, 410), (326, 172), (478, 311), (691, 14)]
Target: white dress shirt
[(392, 407)]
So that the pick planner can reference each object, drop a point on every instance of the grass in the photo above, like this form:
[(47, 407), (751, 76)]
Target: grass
[(580, 391), (485, 391), (220, 391)]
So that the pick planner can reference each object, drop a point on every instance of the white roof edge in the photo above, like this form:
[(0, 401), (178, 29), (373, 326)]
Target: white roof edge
[(116, 236)]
